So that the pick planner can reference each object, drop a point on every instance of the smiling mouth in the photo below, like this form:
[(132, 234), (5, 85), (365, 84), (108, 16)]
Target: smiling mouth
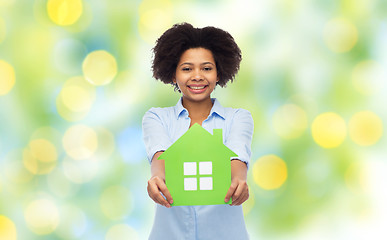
[(197, 87)]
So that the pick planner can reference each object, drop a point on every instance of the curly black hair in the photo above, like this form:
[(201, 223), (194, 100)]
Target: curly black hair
[(181, 37)]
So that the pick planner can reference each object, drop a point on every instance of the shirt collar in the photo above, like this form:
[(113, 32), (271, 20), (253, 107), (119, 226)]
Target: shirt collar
[(179, 109), (217, 108)]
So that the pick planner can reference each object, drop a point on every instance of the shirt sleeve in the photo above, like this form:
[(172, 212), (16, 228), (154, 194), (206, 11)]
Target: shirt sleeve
[(154, 133), (240, 135)]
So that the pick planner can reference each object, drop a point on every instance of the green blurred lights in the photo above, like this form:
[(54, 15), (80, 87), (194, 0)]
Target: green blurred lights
[(3, 30), (75, 99), (80, 171), (329, 130), (87, 148), (155, 17), (15, 170), (368, 77), (80, 141), (73, 222), (340, 35), (40, 157), (99, 67), (116, 202), (290, 121), (7, 77), (61, 185), (7, 228), (121, 231), (68, 54), (64, 12), (126, 88), (365, 128), (270, 172), (78, 93), (78, 98), (42, 216)]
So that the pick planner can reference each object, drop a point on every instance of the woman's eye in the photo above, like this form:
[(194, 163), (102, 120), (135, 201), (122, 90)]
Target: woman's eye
[(186, 69), (207, 68)]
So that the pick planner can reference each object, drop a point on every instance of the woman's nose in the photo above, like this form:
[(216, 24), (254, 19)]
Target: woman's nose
[(197, 75)]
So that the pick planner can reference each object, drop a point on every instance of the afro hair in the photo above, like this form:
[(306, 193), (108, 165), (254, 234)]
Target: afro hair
[(181, 37)]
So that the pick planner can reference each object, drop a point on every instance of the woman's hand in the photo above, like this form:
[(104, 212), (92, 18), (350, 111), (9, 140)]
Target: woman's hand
[(156, 184), (239, 191), (156, 187)]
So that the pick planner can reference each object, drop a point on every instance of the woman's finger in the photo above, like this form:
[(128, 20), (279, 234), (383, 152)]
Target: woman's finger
[(241, 199), (154, 190), (241, 193), (164, 190), (230, 191)]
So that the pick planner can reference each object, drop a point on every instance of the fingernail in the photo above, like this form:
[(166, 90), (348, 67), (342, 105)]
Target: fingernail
[(171, 201)]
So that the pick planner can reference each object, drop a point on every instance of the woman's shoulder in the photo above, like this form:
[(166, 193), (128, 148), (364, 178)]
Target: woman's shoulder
[(161, 109), (232, 115), (232, 112), (238, 118), (160, 112)]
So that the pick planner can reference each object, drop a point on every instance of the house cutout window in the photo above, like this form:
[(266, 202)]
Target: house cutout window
[(192, 176)]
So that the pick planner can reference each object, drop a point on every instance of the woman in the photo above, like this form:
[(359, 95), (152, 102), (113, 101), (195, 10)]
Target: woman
[(195, 60)]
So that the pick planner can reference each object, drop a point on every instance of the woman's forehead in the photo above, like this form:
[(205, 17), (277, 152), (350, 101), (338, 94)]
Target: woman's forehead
[(197, 56)]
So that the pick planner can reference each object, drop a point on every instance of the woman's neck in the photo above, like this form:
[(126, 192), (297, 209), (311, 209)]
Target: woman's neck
[(198, 111)]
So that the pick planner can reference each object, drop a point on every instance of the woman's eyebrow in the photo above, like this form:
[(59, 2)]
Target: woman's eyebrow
[(207, 63), (186, 63)]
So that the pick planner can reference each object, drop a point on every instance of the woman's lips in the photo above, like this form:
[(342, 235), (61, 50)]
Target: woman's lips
[(197, 88)]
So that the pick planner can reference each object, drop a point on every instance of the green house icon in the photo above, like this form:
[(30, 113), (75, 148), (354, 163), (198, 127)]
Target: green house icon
[(198, 168)]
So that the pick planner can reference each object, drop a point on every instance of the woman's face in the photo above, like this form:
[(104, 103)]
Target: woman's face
[(196, 74)]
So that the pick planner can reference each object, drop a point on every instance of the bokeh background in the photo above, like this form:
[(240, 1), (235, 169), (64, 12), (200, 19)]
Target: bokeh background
[(75, 81)]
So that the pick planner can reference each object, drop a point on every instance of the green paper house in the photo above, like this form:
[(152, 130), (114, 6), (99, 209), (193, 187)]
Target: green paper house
[(198, 168)]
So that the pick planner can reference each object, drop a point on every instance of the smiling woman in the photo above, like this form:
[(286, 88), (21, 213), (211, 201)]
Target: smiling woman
[(195, 60), (196, 75), (181, 37)]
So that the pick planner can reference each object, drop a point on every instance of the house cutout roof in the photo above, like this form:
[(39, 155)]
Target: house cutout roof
[(198, 168)]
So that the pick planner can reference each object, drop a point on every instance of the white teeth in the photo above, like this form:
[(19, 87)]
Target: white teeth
[(196, 88)]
